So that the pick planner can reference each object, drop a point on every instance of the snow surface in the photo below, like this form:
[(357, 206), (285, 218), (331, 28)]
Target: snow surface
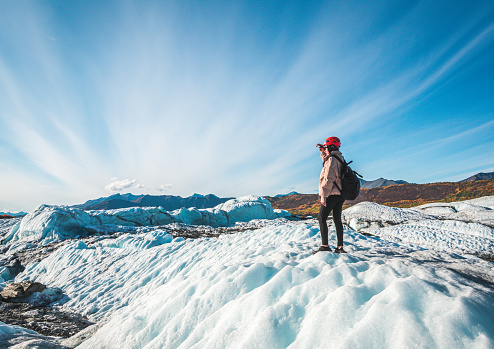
[(52, 223), (263, 288)]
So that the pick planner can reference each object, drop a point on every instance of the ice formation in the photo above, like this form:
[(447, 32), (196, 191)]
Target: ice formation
[(61, 222), (263, 288), (479, 210), (466, 226)]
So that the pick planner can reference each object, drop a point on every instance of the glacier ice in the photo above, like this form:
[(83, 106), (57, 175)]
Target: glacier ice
[(62, 222), (464, 226), (51, 222), (476, 211), (138, 241), (263, 288)]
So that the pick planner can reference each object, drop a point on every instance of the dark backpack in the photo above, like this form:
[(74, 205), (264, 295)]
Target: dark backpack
[(350, 183)]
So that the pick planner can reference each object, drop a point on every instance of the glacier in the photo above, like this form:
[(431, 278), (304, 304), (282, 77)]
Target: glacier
[(52, 223), (263, 288), (466, 226)]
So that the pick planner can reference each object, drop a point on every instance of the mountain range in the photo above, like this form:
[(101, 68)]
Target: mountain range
[(479, 177), (382, 182), (293, 200), (377, 183), (403, 195), (168, 202), (290, 193)]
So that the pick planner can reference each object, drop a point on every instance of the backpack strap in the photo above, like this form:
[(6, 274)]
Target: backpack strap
[(346, 164), (337, 186), (343, 162), (339, 174)]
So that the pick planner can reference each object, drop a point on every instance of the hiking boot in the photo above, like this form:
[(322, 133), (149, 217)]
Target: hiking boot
[(339, 250), (322, 248)]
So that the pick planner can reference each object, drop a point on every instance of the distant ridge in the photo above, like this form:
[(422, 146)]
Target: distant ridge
[(380, 182), (168, 202), (13, 214), (479, 177), (290, 193), (111, 204), (4, 216), (95, 202)]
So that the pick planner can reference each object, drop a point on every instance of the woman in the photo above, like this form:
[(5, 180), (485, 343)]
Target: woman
[(331, 200)]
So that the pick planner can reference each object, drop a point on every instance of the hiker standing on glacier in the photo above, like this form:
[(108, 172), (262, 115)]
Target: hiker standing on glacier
[(329, 192)]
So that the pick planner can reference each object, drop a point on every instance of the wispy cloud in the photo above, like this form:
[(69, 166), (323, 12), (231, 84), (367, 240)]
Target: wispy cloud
[(119, 185), (207, 102), (164, 187)]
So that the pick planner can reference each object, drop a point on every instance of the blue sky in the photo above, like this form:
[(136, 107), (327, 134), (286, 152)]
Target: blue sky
[(231, 97)]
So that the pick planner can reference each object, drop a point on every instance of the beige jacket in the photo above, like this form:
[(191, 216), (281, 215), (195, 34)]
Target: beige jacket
[(330, 174)]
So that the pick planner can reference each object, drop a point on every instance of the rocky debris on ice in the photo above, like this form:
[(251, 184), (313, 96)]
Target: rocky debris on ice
[(16, 291), (47, 321), (204, 231), (13, 336), (28, 304), (61, 222), (369, 215)]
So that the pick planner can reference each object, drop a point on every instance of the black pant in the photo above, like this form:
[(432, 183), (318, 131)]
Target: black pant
[(333, 203)]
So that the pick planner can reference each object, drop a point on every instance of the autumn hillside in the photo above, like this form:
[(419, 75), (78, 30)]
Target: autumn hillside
[(4, 216), (402, 195)]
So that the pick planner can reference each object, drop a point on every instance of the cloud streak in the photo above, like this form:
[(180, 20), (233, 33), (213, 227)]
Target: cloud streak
[(220, 101), (119, 185), (164, 187)]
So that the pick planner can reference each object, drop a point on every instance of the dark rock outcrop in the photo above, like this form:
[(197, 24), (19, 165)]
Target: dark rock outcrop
[(30, 292), (20, 291)]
